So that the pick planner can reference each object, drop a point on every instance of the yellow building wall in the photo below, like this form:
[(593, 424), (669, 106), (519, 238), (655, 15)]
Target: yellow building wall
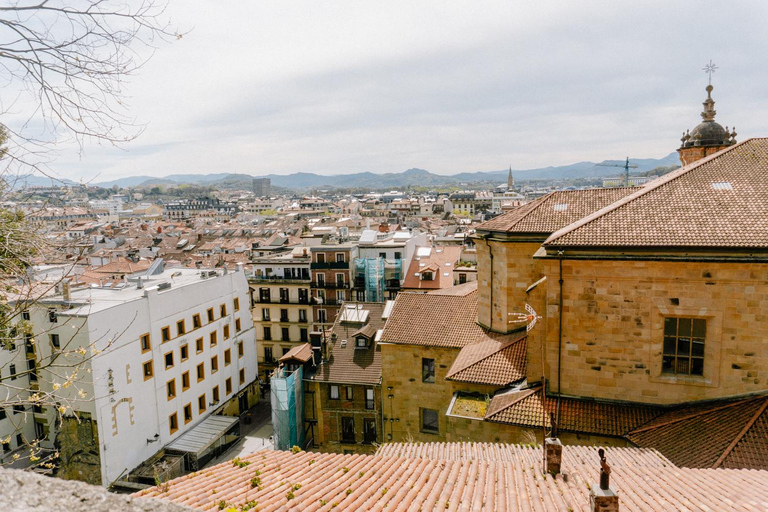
[(402, 379), (613, 317), (502, 283)]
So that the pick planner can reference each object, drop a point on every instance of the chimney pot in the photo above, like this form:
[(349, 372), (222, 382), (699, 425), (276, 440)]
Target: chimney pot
[(602, 498), (554, 450)]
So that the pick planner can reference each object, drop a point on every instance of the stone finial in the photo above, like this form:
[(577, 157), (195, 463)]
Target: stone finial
[(605, 471), (709, 106)]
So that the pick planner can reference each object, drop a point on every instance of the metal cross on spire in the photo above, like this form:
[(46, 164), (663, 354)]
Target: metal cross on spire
[(709, 69)]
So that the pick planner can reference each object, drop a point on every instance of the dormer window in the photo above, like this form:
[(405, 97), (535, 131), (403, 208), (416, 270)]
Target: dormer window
[(361, 342), (427, 276)]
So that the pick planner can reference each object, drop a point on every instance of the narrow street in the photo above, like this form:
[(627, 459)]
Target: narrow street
[(255, 431)]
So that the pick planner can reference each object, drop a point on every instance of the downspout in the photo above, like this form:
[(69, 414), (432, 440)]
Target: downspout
[(560, 322), (490, 253)]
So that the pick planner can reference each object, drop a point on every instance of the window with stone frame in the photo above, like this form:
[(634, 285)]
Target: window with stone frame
[(429, 421), (683, 350), (427, 370), (347, 429)]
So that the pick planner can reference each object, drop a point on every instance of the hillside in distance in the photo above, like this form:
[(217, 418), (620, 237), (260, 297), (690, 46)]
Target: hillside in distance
[(412, 177)]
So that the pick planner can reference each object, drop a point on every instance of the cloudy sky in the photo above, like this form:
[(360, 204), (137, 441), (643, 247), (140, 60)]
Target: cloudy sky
[(336, 87)]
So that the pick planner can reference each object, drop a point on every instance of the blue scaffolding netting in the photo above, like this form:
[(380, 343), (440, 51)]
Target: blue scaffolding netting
[(375, 273), (287, 399)]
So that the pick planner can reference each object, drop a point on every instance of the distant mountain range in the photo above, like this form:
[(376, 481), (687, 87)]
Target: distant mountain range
[(416, 177)]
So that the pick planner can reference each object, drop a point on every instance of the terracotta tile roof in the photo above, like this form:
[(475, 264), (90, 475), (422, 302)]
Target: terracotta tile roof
[(572, 455), (719, 201), (301, 353), (349, 364), (496, 359), (433, 320), (716, 434), (575, 415), (459, 289), (281, 480), (555, 210), (441, 261)]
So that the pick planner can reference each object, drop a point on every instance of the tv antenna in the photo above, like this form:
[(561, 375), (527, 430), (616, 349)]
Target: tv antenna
[(626, 168)]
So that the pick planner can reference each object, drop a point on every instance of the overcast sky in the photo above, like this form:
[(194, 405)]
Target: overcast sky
[(333, 87)]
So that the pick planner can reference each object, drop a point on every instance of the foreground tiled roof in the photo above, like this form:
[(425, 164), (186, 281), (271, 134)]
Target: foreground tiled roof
[(555, 210), (278, 480), (720, 434), (572, 455), (495, 359), (433, 320), (719, 201), (524, 408), (349, 364)]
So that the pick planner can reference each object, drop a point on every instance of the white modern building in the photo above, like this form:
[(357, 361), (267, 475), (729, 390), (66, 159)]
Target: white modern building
[(138, 365)]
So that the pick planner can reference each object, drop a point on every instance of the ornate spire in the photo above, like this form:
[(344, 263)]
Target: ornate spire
[(510, 179), (709, 106)]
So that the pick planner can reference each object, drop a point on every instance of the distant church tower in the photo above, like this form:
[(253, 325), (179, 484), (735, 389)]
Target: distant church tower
[(510, 180), (708, 137)]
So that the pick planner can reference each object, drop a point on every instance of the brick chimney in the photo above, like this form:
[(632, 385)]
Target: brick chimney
[(553, 448), (602, 498)]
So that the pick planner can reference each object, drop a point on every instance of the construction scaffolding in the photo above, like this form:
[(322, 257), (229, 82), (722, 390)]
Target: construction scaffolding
[(376, 273), (287, 399)]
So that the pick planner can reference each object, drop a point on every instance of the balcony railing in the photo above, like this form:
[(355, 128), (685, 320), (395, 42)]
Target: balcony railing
[(279, 279), (275, 300), (393, 284), (338, 265), (331, 285)]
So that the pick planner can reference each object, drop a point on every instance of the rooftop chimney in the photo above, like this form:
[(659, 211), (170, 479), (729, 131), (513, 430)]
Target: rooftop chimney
[(65, 291), (554, 449), (601, 497)]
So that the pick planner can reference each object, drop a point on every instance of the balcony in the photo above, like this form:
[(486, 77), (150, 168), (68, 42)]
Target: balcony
[(278, 279), (330, 285), (359, 283), (393, 284), (332, 265), (260, 300)]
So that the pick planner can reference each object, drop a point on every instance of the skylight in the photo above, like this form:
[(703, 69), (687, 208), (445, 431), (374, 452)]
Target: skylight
[(722, 185), (561, 207)]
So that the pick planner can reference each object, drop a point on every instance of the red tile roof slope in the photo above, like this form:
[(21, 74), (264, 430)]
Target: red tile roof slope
[(301, 353), (718, 201), (441, 261), (496, 360), (576, 415), (572, 455), (555, 210), (433, 320), (730, 434), (281, 480), (350, 364)]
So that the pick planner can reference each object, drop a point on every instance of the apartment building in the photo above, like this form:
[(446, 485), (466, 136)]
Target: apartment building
[(332, 273), (382, 258), (281, 305), (343, 397), (20, 424), (140, 364)]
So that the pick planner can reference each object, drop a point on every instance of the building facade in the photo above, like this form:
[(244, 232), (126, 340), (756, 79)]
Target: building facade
[(332, 278), (282, 306), (143, 364)]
